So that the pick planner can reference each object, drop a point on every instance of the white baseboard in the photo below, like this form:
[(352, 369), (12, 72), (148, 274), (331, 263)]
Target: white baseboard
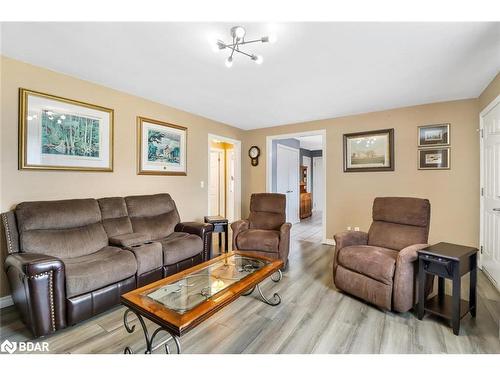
[(6, 301), (329, 241)]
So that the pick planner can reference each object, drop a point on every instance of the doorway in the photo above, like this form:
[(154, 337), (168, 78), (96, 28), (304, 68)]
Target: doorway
[(490, 191), (296, 166), (224, 181)]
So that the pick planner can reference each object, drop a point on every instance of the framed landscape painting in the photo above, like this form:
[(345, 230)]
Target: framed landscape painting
[(161, 148), (64, 134), (371, 151), (434, 158), (434, 135)]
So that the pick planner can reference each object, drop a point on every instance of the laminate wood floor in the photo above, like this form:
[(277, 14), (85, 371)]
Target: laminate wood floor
[(314, 317)]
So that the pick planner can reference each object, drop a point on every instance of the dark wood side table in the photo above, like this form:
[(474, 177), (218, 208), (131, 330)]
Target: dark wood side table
[(447, 261), (221, 225)]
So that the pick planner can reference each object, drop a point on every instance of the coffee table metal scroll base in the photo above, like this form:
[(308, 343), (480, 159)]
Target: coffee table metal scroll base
[(276, 300), (149, 340)]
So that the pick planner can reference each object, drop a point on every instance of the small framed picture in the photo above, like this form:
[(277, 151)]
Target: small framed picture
[(434, 158), (371, 151), (161, 148), (64, 134), (434, 135)]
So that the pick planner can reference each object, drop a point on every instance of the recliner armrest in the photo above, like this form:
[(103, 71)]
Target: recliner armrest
[(203, 230), (350, 238), (39, 291), (237, 227), (284, 246), (11, 234), (409, 254)]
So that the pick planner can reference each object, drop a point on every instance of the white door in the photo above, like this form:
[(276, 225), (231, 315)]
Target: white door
[(230, 173), (318, 184), (216, 183), (490, 222), (306, 161), (287, 180)]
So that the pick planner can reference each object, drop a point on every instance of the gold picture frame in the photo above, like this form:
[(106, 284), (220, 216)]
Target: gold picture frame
[(165, 155), (37, 115)]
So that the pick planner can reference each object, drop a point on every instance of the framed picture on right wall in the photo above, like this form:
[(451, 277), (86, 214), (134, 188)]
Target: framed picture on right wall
[(434, 158)]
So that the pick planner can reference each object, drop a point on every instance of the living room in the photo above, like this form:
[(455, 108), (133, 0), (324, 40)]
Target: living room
[(251, 187)]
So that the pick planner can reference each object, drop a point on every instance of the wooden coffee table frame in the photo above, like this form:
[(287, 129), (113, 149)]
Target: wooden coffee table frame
[(176, 324)]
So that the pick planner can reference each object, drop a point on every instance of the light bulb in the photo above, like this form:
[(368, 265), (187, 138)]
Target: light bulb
[(239, 32), (258, 59), (229, 62)]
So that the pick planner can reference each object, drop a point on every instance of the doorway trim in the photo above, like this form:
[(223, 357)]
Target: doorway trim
[(482, 114), (237, 171), (269, 173)]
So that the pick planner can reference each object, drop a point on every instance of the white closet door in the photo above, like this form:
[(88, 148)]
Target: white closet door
[(287, 179)]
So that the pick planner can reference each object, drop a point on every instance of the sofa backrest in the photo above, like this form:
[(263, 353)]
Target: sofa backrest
[(399, 222), (154, 215), (65, 228), (115, 216), (267, 211)]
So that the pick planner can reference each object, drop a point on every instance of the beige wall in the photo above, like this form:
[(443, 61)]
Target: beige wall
[(490, 93), (454, 193), (17, 186)]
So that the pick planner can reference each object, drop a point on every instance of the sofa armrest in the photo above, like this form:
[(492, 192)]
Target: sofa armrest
[(39, 291), (129, 239), (237, 227), (203, 230), (11, 234), (404, 289), (350, 238), (284, 246)]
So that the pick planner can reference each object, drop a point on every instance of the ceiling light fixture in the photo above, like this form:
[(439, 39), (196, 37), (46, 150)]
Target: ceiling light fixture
[(238, 39)]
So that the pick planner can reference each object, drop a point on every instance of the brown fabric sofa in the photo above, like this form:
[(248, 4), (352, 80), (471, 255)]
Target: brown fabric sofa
[(265, 232), (379, 266), (72, 259)]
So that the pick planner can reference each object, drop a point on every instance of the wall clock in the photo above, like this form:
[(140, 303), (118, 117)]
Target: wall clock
[(254, 153)]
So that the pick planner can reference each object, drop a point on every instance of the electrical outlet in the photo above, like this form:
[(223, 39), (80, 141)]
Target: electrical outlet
[(202, 184), (356, 229), (348, 228)]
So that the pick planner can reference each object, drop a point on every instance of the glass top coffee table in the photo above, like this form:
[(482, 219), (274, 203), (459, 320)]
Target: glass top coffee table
[(180, 302)]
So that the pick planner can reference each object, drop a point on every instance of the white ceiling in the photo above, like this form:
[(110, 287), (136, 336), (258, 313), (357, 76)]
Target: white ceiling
[(311, 142), (314, 70)]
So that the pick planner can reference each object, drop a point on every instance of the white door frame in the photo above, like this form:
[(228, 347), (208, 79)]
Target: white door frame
[(269, 172), (297, 187), (483, 113), (237, 170)]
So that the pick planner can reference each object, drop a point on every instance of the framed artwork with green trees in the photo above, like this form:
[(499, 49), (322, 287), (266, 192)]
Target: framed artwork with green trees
[(64, 134), (161, 148)]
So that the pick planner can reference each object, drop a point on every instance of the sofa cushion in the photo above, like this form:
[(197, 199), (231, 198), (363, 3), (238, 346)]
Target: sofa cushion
[(115, 216), (179, 246), (93, 271), (65, 243), (259, 239), (375, 262), (70, 213), (154, 215)]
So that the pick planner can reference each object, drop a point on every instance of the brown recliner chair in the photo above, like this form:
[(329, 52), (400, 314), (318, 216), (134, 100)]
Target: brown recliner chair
[(265, 232), (380, 266)]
